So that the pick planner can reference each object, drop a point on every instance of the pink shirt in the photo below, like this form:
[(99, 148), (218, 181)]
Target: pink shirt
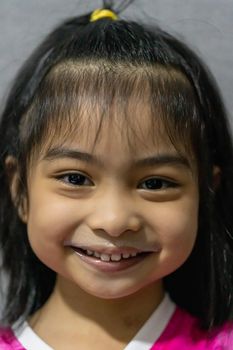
[(181, 333)]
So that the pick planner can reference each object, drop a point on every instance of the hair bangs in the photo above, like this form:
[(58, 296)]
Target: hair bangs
[(173, 95), (79, 98)]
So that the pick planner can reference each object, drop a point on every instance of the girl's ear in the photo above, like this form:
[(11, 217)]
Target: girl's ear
[(19, 200), (216, 177)]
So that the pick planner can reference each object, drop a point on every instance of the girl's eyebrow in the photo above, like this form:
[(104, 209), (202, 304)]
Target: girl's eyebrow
[(163, 159), (61, 152), (155, 160)]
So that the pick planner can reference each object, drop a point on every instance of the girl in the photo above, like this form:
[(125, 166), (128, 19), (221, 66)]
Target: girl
[(116, 198)]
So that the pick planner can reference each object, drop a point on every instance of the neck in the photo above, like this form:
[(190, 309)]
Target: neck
[(120, 318)]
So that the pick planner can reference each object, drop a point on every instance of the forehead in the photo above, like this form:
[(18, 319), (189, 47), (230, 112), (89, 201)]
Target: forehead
[(96, 103), (133, 138)]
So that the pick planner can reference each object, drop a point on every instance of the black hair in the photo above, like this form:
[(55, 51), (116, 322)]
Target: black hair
[(115, 59)]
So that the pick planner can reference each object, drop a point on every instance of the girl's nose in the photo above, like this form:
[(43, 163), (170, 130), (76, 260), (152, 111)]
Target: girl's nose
[(114, 215)]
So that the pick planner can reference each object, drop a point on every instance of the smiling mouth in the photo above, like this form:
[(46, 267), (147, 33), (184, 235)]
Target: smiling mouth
[(110, 263), (110, 257)]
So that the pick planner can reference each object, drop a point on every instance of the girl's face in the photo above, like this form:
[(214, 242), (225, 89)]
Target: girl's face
[(113, 218)]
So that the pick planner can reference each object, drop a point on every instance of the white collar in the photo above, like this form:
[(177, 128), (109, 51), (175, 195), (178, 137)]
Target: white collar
[(28, 338), (153, 327), (143, 340)]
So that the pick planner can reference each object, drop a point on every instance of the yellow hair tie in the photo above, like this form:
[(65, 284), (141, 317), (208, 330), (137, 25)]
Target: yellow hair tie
[(103, 13)]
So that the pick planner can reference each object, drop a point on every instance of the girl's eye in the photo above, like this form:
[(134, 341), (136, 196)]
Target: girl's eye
[(156, 184), (76, 179)]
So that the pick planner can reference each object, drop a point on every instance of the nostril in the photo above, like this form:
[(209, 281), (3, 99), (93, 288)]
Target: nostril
[(114, 218)]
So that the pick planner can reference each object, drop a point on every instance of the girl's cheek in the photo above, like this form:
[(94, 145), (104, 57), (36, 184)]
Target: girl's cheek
[(50, 220), (175, 227)]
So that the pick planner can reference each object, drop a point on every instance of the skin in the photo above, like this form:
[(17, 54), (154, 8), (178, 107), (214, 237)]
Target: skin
[(111, 206)]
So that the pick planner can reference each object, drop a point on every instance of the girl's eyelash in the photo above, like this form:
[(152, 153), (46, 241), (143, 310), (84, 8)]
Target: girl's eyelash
[(150, 184), (156, 184), (75, 179)]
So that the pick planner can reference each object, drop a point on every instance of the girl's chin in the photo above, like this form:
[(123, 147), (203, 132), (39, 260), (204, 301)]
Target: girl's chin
[(119, 290), (111, 292)]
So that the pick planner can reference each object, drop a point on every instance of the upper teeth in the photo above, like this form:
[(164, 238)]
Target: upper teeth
[(112, 257)]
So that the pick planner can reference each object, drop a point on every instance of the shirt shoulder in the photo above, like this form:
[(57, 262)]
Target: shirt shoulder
[(183, 332), (8, 341)]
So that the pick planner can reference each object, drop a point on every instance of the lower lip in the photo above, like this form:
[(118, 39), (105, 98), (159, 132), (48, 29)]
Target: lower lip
[(112, 266)]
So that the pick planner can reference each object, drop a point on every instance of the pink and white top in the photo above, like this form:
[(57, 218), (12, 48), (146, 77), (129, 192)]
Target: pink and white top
[(168, 328)]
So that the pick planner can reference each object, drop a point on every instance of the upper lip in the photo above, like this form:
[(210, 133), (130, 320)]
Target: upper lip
[(111, 250)]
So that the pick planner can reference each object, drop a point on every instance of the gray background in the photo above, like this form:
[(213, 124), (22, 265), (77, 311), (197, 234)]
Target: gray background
[(205, 24)]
